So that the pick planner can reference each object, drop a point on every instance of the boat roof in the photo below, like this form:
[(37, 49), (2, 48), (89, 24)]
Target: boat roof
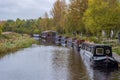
[(95, 45), (49, 31)]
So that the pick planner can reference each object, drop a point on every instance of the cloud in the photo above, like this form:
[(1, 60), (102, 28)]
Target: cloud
[(24, 9)]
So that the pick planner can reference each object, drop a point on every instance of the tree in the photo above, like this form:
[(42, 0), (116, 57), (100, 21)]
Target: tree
[(58, 12), (39, 24), (45, 24), (18, 25), (101, 15), (1, 26), (8, 26), (21, 26), (75, 14)]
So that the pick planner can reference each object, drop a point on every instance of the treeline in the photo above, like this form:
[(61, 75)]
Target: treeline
[(86, 17), (29, 26), (99, 18)]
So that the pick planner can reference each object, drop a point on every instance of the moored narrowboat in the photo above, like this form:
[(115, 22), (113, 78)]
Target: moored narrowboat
[(64, 41), (77, 43), (70, 42), (49, 35), (98, 55), (58, 39)]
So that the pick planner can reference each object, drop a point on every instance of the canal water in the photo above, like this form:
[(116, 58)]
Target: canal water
[(47, 62)]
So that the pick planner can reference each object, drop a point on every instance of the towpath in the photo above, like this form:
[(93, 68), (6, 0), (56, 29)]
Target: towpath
[(117, 57)]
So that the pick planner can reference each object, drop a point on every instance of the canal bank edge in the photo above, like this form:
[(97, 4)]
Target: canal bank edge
[(117, 58)]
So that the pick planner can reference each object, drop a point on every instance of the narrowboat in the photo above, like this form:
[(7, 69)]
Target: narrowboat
[(77, 43), (64, 41), (98, 55), (58, 39), (49, 35), (36, 36), (70, 42)]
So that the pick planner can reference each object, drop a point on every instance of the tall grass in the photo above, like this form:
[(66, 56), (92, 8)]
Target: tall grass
[(14, 42)]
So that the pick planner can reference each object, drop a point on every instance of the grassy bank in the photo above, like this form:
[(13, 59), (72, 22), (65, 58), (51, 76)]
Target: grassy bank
[(117, 50), (13, 42)]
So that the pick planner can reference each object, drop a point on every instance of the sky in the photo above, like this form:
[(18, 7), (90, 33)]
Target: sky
[(24, 9)]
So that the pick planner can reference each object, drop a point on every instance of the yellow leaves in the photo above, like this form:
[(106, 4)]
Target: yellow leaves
[(58, 13), (100, 15)]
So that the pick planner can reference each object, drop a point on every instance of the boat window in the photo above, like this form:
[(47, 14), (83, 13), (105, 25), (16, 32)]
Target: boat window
[(99, 51)]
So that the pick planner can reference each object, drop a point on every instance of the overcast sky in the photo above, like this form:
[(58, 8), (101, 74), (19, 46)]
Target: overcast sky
[(24, 9)]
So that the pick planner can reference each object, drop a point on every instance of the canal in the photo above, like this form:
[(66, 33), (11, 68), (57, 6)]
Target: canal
[(47, 62)]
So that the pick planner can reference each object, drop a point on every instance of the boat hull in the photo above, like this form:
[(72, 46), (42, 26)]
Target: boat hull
[(98, 61), (106, 62)]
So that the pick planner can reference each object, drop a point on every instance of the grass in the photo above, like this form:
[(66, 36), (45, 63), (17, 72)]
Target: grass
[(117, 50), (13, 42), (114, 43)]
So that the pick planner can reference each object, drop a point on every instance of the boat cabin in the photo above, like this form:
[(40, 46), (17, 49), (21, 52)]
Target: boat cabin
[(48, 34), (98, 49), (98, 55)]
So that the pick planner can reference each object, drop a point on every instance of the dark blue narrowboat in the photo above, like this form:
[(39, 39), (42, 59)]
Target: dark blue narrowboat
[(98, 55)]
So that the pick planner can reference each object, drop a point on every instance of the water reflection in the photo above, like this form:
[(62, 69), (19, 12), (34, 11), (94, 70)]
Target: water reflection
[(99, 75), (60, 64), (41, 62), (67, 66), (103, 75)]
